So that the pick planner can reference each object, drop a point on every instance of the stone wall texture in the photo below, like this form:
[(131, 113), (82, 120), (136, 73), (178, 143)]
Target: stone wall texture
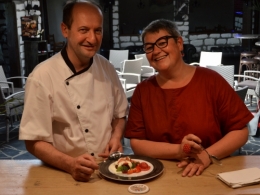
[(202, 42)]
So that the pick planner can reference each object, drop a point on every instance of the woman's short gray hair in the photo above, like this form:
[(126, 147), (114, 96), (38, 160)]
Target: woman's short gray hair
[(161, 24)]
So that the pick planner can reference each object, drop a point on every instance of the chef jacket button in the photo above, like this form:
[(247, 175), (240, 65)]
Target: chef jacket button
[(86, 130), (92, 154), (67, 83), (78, 107)]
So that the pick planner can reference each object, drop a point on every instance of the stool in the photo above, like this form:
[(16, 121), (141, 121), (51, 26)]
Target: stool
[(247, 54), (249, 63)]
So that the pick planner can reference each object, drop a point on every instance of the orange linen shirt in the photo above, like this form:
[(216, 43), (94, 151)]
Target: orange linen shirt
[(207, 107)]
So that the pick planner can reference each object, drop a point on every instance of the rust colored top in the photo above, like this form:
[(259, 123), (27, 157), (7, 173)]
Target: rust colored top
[(207, 107)]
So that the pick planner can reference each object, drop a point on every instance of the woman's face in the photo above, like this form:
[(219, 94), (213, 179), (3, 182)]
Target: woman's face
[(164, 56)]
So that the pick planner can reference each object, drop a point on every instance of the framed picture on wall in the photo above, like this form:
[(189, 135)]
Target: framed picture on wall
[(29, 27)]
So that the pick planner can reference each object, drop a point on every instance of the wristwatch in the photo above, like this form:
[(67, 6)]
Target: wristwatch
[(213, 158)]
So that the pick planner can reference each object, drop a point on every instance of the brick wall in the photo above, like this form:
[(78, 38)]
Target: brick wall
[(20, 12), (202, 42)]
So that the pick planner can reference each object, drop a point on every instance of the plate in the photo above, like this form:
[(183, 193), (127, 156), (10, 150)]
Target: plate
[(106, 170)]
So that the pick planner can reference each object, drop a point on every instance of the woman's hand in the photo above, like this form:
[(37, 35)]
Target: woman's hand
[(195, 165), (190, 146)]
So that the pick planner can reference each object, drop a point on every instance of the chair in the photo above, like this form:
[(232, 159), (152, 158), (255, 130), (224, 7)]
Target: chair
[(147, 70), (8, 86), (248, 80), (51, 41), (131, 75), (241, 92), (227, 72), (58, 46), (145, 60), (209, 58), (11, 106), (116, 57), (132, 66), (129, 82), (55, 46)]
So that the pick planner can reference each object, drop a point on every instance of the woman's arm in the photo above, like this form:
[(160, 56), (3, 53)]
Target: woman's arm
[(221, 149), (229, 143), (165, 150)]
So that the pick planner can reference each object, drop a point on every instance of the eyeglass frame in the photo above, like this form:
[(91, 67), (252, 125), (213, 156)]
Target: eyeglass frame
[(167, 37)]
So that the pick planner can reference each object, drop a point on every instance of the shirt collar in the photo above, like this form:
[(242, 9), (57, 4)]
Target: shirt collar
[(64, 55)]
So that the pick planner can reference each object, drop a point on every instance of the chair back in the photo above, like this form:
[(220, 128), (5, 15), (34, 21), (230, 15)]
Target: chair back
[(116, 57), (58, 46), (132, 66), (241, 92), (51, 41), (227, 72), (3, 78), (210, 58), (145, 60)]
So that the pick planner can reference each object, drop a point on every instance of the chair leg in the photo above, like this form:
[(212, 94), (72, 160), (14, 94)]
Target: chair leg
[(7, 129)]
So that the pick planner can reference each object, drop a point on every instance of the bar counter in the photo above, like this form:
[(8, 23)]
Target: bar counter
[(32, 177)]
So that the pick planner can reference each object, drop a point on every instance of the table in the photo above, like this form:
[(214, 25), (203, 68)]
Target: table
[(32, 177), (247, 36)]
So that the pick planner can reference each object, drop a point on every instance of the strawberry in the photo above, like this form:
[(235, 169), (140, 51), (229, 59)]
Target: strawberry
[(186, 148)]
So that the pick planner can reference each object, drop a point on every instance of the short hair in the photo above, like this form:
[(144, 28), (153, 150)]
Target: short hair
[(68, 8), (162, 24)]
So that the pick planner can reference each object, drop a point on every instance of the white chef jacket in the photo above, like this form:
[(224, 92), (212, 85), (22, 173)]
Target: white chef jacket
[(73, 111)]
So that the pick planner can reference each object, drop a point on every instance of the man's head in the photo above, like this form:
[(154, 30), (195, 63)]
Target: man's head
[(82, 26), (67, 10)]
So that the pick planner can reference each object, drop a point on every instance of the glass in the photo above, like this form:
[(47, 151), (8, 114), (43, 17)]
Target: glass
[(162, 42)]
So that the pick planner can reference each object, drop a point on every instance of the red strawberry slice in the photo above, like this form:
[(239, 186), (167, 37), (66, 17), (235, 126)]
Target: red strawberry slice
[(186, 148)]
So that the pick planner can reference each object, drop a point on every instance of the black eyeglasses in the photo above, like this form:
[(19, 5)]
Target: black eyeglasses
[(162, 42)]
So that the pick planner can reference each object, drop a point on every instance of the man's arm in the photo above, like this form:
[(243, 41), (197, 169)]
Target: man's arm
[(80, 167)]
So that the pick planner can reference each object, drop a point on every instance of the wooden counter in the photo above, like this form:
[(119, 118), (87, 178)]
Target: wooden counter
[(32, 177)]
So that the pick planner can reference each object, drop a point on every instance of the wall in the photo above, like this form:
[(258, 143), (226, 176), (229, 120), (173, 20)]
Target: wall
[(210, 15), (201, 42), (54, 9), (20, 11)]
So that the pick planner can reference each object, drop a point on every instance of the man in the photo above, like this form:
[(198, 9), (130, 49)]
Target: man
[(75, 106)]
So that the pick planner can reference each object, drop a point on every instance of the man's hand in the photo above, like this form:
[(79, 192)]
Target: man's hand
[(112, 146), (83, 167)]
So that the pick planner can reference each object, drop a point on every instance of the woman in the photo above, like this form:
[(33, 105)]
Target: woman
[(184, 112)]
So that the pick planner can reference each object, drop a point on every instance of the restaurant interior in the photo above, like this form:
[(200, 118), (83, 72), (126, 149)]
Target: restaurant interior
[(218, 34)]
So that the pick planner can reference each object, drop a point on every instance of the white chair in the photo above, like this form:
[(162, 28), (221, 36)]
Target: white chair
[(132, 66), (147, 70), (251, 80), (131, 75), (129, 82), (116, 57), (8, 86), (145, 60), (11, 106), (209, 59), (227, 72)]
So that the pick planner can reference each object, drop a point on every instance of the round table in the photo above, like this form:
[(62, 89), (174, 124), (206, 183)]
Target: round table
[(247, 36)]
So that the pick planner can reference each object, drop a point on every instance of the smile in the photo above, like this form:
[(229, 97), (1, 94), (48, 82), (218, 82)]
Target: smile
[(160, 58)]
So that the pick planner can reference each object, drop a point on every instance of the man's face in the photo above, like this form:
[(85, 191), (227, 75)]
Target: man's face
[(85, 35)]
